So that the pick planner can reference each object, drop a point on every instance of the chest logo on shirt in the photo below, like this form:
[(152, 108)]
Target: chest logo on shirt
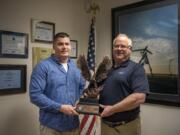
[(120, 72)]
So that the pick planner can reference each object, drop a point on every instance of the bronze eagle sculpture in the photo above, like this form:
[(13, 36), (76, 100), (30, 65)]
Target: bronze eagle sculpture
[(96, 80)]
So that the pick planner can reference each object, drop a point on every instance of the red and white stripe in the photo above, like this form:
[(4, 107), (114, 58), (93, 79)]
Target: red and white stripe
[(88, 125)]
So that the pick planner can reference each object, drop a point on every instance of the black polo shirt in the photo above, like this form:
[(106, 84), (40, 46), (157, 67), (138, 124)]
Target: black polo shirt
[(122, 81)]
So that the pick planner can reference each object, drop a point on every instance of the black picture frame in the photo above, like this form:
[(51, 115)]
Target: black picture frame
[(74, 49), (162, 15), (42, 31), (13, 79), (13, 44)]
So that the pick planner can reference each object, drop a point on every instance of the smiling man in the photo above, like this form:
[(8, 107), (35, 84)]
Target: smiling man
[(56, 84), (124, 90)]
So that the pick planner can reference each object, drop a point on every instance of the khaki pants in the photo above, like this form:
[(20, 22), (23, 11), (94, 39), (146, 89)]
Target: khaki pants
[(48, 131), (130, 128)]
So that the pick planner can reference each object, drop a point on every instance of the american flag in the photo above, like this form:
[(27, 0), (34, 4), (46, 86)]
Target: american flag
[(88, 125), (91, 47)]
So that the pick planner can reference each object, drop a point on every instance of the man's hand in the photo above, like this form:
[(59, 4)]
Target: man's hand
[(68, 109), (108, 110)]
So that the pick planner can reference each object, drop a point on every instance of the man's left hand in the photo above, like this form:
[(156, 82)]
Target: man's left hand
[(108, 110)]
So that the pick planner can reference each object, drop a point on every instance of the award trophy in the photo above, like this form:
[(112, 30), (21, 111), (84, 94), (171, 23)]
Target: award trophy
[(89, 102)]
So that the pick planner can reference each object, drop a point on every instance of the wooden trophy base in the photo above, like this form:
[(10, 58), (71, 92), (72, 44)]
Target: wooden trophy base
[(88, 106)]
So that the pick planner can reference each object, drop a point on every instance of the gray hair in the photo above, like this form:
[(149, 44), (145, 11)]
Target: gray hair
[(123, 35)]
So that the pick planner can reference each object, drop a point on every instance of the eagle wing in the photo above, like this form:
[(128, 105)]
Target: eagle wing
[(103, 69), (83, 66)]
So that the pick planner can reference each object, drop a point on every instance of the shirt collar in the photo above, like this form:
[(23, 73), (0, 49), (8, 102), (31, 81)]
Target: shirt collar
[(124, 64), (56, 59)]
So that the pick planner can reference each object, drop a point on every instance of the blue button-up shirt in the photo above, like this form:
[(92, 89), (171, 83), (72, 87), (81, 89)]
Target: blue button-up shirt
[(50, 87)]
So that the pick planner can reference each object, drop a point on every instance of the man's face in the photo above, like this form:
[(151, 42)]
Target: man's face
[(121, 50), (62, 47)]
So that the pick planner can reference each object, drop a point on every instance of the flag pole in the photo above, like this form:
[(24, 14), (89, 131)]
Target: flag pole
[(94, 8), (88, 125)]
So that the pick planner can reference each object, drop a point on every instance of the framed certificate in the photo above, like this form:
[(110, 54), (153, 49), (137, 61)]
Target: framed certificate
[(74, 49), (40, 53), (13, 79), (42, 31), (13, 44)]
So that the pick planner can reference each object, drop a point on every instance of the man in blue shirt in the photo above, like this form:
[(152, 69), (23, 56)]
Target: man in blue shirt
[(124, 90), (56, 84)]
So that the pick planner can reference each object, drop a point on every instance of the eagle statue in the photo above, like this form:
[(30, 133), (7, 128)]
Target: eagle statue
[(95, 81)]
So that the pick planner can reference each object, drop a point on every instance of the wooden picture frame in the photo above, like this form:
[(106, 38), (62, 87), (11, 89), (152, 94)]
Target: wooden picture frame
[(13, 79), (42, 31), (74, 49), (153, 27), (13, 44)]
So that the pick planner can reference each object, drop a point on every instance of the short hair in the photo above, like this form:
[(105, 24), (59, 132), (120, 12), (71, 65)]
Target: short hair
[(123, 35), (61, 35)]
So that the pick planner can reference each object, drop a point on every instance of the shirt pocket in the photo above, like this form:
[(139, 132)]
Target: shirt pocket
[(57, 79)]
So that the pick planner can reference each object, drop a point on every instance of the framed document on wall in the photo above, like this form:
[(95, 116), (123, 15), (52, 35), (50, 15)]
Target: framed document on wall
[(13, 44), (74, 49), (42, 31), (13, 79), (40, 53)]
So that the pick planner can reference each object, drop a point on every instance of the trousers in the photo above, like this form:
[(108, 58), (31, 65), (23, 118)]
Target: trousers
[(130, 128), (48, 131)]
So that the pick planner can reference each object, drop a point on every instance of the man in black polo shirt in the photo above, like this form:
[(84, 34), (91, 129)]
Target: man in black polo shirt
[(124, 90)]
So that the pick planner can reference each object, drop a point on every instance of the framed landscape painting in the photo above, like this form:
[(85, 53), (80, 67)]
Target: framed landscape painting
[(153, 27)]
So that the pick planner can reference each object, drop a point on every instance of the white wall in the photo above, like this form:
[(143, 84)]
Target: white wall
[(18, 116), (160, 120), (156, 119)]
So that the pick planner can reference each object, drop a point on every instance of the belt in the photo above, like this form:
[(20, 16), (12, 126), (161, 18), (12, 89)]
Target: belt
[(114, 124)]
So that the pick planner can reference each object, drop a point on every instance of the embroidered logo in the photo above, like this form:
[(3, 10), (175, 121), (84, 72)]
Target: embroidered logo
[(120, 72)]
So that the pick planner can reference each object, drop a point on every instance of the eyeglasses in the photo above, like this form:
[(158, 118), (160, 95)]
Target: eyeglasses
[(121, 46)]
